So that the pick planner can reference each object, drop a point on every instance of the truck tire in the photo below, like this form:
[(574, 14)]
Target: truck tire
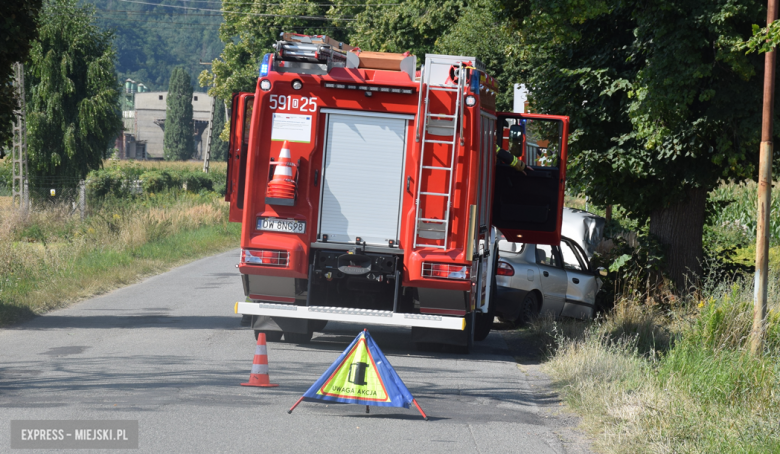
[(270, 336), (297, 338), (318, 325)]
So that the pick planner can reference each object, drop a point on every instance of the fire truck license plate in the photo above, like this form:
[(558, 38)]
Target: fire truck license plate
[(281, 225)]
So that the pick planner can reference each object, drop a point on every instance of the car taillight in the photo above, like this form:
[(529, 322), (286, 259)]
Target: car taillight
[(445, 271), (505, 269), (261, 257)]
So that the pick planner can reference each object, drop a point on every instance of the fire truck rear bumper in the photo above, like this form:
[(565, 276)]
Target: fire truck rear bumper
[(340, 314)]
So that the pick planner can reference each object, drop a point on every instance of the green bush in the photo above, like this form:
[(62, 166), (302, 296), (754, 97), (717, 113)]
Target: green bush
[(105, 182), (197, 181), (159, 180)]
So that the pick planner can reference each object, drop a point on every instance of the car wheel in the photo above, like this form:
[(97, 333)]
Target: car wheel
[(529, 308), (270, 336)]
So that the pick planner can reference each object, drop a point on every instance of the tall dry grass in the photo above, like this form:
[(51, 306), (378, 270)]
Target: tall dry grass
[(673, 382), (51, 257)]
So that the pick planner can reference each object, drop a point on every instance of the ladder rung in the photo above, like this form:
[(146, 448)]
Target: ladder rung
[(433, 220), (436, 168), (452, 87), (441, 88), (441, 115), (442, 194), (450, 142)]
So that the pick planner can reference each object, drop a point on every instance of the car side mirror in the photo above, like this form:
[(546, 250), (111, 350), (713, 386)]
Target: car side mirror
[(602, 271)]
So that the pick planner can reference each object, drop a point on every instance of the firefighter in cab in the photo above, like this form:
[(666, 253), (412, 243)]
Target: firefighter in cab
[(513, 157)]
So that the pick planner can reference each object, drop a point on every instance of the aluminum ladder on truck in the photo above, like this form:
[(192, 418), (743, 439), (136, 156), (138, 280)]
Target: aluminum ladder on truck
[(446, 125)]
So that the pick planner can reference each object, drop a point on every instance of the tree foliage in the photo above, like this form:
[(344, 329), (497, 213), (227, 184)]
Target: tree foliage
[(219, 148), (18, 27), (416, 26), (178, 141), (662, 102), (152, 40), (73, 92)]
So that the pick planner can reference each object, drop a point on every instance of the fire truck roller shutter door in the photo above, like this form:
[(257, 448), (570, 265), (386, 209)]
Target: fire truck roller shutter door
[(363, 177)]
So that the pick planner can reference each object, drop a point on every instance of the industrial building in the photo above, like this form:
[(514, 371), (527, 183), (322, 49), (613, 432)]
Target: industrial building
[(143, 115)]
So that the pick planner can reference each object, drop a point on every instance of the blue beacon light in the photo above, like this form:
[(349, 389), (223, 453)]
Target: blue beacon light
[(264, 65)]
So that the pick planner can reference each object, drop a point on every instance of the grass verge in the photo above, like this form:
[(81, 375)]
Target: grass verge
[(50, 257), (98, 271), (681, 381)]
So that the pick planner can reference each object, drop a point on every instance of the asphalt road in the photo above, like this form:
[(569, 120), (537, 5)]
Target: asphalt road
[(170, 353)]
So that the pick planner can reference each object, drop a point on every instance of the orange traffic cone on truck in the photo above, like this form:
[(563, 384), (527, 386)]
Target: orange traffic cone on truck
[(282, 188)]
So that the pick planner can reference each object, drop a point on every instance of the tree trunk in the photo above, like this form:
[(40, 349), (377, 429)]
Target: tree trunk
[(679, 227)]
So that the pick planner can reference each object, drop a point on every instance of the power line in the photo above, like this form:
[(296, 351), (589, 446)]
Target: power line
[(114, 19), (241, 12)]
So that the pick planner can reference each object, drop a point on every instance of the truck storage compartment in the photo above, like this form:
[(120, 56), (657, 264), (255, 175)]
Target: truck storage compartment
[(362, 178)]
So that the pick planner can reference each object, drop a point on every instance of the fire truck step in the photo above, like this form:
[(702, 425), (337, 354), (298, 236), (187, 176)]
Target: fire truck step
[(351, 315)]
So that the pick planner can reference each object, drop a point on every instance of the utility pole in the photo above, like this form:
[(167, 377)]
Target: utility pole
[(207, 153), (764, 195), (19, 194)]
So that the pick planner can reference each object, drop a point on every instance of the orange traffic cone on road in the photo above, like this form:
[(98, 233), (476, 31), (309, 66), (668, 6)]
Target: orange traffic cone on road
[(259, 375), (281, 189)]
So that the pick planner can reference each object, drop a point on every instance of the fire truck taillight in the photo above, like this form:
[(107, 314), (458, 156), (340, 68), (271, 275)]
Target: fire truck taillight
[(265, 84), (445, 271), (505, 269), (263, 257)]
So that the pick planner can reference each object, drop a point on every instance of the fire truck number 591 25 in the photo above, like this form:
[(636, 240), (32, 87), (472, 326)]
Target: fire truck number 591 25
[(282, 102), (369, 191)]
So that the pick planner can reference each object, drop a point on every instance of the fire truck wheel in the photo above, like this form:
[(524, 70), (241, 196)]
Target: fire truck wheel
[(270, 336), (297, 338), (318, 325)]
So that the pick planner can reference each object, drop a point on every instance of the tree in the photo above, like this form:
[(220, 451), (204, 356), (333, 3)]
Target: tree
[(219, 148), (663, 105), (481, 31), (18, 27), (72, 110), (178, 141)]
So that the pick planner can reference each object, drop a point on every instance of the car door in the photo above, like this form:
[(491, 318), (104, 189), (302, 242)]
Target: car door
[(582, 283), (553, 279), (528, 207)]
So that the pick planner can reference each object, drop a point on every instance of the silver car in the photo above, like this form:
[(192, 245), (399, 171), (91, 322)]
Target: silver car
[(536, 280)]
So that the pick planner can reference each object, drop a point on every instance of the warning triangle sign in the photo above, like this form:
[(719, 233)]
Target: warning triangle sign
[(361, 375), (356, 377)]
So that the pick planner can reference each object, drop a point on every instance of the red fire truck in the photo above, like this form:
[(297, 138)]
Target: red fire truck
[(369, 191)]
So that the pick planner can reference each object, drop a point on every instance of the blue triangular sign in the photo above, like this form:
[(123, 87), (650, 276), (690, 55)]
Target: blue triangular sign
[(361, 375)]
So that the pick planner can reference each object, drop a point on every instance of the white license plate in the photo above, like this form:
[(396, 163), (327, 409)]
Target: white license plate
[(281, 225)]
